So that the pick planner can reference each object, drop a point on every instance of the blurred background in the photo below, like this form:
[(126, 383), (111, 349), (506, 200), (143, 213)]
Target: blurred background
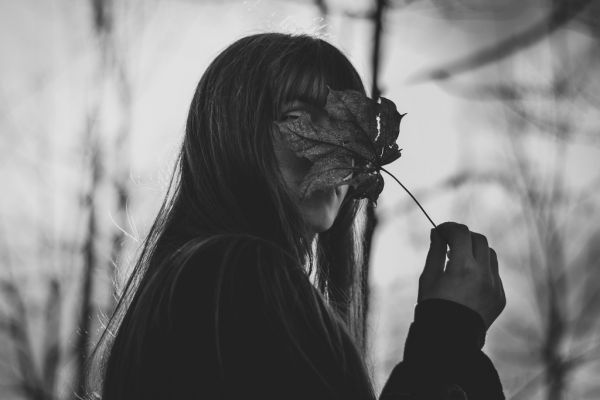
[(501, 134)]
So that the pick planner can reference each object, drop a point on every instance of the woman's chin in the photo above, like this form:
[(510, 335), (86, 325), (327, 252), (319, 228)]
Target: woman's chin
[(321, 209), (322, 224)]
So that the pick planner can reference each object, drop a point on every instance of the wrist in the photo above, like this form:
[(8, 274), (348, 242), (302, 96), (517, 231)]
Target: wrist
[(444, 328)]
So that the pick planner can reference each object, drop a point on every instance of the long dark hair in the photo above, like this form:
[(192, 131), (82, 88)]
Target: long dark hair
[(226, 181)]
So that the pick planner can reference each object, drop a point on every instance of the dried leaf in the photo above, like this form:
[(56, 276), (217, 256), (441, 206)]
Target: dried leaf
[(349, 146)]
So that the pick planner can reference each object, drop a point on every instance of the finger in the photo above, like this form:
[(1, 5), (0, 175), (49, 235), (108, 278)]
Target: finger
[(458, 238), (480, 248), (503, 295), (494, 266), (496, 275), (436, 257)]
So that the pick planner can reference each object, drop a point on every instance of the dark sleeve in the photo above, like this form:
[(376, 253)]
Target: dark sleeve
[(273, 338), (443, 357)]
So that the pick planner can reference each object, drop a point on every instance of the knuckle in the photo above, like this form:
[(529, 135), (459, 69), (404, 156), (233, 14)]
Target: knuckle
[(472, 265), (481, 239), (494, 258), (453, 226), (470, 272), (462, 227), (461, 273)]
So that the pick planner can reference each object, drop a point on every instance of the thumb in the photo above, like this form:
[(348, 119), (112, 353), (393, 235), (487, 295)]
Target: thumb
[(436, 257)]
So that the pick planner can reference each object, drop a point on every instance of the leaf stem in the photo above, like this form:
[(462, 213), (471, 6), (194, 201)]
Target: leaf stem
[(410, 194)]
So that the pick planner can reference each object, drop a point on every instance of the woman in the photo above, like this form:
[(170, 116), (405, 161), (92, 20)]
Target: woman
[(220, 304)]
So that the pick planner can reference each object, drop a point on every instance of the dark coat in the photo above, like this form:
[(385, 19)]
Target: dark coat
[(442, 356)]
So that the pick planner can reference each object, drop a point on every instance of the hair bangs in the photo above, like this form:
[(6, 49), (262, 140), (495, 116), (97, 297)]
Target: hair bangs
[(306, 73)]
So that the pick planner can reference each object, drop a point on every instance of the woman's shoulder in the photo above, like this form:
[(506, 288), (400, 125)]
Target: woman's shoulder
[(239, 280), (231, 262), (217, 246), (240, 306), (200, 269), (221, 252)]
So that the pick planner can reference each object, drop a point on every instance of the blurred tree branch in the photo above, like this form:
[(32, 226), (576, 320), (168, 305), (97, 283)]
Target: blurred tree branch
[(102, 25), (560, 14)]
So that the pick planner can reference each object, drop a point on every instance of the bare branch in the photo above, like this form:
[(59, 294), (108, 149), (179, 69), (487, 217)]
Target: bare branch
[(52, 347), (563, 12)]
